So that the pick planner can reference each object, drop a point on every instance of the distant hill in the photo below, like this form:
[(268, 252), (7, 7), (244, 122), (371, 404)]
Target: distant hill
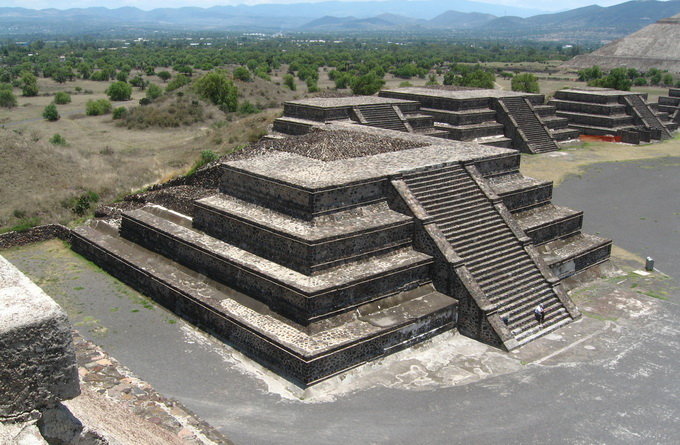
[(473, 19), (460, 20)]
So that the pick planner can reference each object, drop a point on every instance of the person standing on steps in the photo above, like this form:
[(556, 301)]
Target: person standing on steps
[(539, 313)]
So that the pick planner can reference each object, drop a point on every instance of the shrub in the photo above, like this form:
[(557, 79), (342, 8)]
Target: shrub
[(218, 89), (312, 86), (640, 81), (342, 80), (247, 108), (122, 76), (164, 76), (29, 84), (207, 156), (7, 97), (405, 83), (525, 82), (119, 113), (153, 91), (23, 225), (62, 98), (119, 91), (169, 113), (592, 73), (617, 79), (178, 82), (144, 101), (50, 113), (80, 205), (97, 107), (139, 82), (477, 77), (667, 79), (289, 81), (241, 73), (367, 84), (57, 139)]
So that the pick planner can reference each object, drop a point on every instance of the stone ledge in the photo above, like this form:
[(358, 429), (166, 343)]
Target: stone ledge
[(37, 359)]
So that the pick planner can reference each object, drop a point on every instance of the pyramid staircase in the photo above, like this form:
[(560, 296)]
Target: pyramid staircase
[(650, 120), (526, 126), (382, 116), (495, 253)]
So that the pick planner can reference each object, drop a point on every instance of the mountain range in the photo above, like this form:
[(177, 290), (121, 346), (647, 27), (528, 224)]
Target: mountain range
[(474, 19)]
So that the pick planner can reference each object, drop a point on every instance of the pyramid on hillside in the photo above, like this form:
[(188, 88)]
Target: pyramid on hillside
[(654, 46)]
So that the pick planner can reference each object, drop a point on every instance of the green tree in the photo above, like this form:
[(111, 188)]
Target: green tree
[(617, 79), (218, 88), (526, 82), (29, 84), (241, 73), (477, 78), (119, 91), (178, 82), (588, 74), (62, 98), (50, 113), (57, 139), (7, 97), (164, 75), (97, 107), (367, 84), (289, 81), (153, 91)]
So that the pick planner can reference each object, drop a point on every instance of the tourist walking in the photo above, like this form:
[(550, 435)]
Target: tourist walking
[(539, 313)]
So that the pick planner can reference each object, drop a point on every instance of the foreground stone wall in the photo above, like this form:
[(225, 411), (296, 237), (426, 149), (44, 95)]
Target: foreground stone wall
[(37, 359)]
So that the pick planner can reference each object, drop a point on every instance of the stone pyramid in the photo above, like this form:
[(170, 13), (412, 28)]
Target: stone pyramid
[(654, 46)]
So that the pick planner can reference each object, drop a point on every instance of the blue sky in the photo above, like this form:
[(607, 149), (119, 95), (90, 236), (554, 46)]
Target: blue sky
[(151, 4)]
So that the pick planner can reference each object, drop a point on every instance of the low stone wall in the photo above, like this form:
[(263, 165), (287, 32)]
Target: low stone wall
[(34, 235)]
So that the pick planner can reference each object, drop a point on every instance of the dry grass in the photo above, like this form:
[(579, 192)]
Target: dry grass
[(36, 176)]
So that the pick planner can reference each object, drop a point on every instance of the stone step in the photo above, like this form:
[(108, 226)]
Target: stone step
[(499, 237), (464, 219), (545, 110), (551, 323), (297, 296), (462, 117), (549, 222), (467, 197), (443, 188), (472, 226), (590, 108), (520, 309), (570, 255), (502, 271), (528, 296), (501, 265), (462, 224), (564, 134), (520, 193), (306, 246), (478, 233), (419, 176), (528, 321), (505, 288), (431, 199), (482, 265), (253, 328), (491, 250), (528, 287), (473, 131)]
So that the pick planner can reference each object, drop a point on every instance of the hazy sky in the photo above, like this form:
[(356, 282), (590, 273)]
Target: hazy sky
[(151, 4)]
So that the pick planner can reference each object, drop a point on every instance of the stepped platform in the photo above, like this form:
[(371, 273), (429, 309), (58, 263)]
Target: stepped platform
[(471, 114), (314, 266), (254, 328), (603, 111)]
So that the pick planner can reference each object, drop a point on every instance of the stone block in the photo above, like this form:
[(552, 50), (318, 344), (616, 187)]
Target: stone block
[(37, 360)]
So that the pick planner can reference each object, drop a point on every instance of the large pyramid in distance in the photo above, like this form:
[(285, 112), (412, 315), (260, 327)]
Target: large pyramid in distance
[(654, 46)]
